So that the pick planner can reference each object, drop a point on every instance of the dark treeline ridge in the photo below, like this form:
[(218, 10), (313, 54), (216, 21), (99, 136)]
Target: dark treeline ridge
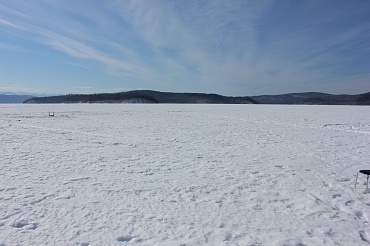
[(143, 96), (314, 98), (148, 96)]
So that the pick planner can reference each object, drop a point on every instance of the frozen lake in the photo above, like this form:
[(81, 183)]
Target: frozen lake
[(135, 174)]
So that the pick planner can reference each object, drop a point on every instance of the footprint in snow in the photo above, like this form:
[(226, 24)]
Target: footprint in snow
[(24, 223), (358, 214), (126, 238), (364, 236), (344, 179), (66, 195), (293, 241), (336, 195)]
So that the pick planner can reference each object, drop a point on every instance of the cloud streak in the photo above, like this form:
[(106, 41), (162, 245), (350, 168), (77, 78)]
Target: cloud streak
[(235, 48)]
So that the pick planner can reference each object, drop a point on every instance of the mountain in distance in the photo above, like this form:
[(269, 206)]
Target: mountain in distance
[(13, 98), (149, 96)]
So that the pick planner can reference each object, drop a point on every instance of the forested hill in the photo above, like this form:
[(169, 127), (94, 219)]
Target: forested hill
[(143, 96), (314, 98), (148, 96)]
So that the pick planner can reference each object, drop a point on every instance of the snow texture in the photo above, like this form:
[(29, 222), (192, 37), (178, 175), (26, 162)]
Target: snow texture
[(103, 174)]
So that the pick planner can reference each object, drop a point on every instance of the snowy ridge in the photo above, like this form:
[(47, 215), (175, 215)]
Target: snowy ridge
[(183, 175)]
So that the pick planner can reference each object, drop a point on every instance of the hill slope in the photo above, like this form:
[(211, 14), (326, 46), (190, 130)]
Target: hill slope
[(144, 96), (314, 98)]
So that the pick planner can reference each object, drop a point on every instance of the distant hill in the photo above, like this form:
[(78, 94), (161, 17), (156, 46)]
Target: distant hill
[(143, 96), (148, 96), (314, 98), (5, 98)]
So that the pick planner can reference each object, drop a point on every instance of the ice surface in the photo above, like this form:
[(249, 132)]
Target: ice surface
[(106, 174)]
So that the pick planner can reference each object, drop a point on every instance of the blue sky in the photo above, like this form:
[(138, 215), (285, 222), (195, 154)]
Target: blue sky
[(229, 47)]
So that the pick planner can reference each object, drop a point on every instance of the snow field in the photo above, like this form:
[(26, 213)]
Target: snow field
[(111, 174)]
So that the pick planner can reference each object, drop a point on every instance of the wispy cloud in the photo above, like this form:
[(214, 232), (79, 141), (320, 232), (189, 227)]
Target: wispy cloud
[(6, 23), (238, 47)]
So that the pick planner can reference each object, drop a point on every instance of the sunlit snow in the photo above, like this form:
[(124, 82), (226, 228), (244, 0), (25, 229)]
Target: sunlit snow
[(134, 174)]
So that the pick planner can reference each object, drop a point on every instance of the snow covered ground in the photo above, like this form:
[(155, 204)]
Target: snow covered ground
[(103, 174)]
